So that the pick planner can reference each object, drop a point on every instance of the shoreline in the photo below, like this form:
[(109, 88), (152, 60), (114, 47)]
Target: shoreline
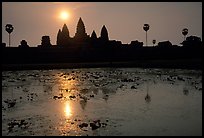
[(194, 64)]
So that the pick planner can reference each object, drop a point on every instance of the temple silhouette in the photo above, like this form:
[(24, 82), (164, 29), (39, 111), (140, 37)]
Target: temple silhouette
[(81, 38), (83, 48)]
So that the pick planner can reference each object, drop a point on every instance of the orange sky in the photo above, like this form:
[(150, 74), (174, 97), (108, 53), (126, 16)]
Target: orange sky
[(124, 20)]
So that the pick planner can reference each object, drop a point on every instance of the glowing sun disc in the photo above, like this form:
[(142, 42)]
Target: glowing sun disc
[(64, 15)]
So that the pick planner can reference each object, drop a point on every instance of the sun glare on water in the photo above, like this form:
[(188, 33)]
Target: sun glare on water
[(67, 110)]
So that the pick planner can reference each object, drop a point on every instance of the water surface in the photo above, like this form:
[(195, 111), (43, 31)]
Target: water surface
[(102, 101)]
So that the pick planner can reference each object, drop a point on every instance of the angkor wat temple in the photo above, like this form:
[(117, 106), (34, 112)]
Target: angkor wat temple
[(82, 39), (84, 48)]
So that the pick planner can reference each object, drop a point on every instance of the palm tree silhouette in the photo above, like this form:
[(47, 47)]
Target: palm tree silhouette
[(146, 28), (185, 32), (9, 29), (154, 41)]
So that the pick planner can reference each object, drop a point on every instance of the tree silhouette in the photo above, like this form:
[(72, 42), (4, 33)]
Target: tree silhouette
[(23, 44), (9, 29), (185, 32), (192, 41), (146, 28), (154, 41), (45, 42)]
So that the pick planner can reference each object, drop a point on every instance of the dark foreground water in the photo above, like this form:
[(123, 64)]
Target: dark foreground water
[(102, 101)]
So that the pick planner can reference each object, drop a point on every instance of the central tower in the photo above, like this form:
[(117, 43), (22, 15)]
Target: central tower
[(80, 34)]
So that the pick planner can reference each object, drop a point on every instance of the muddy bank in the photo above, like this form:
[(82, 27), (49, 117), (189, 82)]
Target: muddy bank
[(174, 64)]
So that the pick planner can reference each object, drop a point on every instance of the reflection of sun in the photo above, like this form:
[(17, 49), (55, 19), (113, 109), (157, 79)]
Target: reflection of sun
[(67, 109)]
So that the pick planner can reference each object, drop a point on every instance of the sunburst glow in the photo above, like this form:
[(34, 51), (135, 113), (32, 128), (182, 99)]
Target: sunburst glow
[(64, 15)]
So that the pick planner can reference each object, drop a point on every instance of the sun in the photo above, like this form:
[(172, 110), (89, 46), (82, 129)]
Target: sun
[(64, 15)]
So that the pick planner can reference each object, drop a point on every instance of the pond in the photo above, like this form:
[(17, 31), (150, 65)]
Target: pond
[(102, 102)]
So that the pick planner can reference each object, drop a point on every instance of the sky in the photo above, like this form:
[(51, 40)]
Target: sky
[(123, 20)]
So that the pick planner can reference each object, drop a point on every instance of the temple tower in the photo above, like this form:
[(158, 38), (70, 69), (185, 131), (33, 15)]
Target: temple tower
[(104, 34), (80, 34)]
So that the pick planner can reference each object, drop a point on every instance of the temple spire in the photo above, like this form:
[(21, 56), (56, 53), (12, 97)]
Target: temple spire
[(65, 30), (59, 37), (81, 31), (93, 35), (80, 27), (63, 38), (104, 33)]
